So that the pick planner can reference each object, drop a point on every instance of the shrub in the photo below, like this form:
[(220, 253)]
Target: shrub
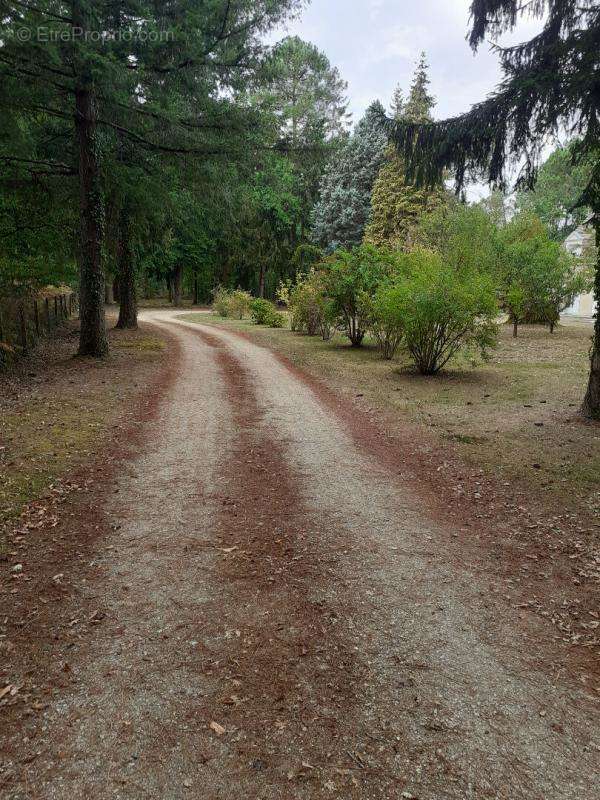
[(221, 301), (240, 304), (261, 311), (349, 277), (276, 320), (440, 310), (385, 321), (308, 304), (305, 257)]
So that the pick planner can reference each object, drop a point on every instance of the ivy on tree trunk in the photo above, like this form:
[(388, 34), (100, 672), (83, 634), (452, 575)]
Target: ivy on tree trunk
[(128, 297), (92, 337)]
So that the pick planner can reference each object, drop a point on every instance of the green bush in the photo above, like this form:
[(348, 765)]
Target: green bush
[(240, 304), (261, 311), (350, 278), (305, 257), (385, 320), (440, 310), (221, 301), (538, 278), (308, 304), (276, 320)]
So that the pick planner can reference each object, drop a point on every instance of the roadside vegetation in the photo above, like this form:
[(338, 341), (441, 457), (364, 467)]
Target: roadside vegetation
[(58, 413)]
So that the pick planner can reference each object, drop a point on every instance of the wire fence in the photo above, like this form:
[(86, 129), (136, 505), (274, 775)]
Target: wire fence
[(23, 321)]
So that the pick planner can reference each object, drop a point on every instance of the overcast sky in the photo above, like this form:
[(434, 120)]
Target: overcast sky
[(375, 44)]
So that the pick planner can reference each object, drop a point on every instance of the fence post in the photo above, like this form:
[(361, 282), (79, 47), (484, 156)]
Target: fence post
[(47, 313), (22, 327), (36, 317)]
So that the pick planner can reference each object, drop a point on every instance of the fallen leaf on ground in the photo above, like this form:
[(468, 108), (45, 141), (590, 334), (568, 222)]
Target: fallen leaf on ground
[(218, 729)]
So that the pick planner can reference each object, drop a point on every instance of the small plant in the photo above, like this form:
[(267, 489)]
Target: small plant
[(385, 321), (222, 301), (240, 304), (307, 303), (276, 320), (261, 311)]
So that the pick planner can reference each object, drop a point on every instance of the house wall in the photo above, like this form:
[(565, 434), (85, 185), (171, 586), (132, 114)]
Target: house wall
[(575, 243)]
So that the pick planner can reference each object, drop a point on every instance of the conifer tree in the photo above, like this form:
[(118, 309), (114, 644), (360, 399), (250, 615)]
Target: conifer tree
[(397, 104), (396, 204), (344, 206)]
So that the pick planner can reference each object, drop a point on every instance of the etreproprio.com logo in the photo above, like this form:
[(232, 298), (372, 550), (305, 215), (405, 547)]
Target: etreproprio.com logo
[(46, 34)]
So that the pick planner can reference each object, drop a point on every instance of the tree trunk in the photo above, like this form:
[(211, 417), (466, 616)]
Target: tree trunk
[(515, 328), (92, 337), (109, 295), (176, 285), (127, 285), (261, 280), (196, 289), (591, 402), (169, 283)]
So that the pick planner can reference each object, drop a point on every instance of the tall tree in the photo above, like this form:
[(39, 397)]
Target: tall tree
[(550, 82), (397, 104), (396, 205), (305, 92), (307, 98), (419, 105), (344, 206)]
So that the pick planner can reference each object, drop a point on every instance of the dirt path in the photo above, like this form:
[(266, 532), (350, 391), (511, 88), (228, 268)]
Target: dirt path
[(282, 620)]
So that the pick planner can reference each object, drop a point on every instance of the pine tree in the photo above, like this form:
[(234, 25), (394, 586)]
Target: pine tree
[(397, 104), (396, 204), (551, 81), (344, 206), (420, 103)]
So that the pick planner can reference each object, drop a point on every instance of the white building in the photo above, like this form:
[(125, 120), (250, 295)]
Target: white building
[(576, 242)]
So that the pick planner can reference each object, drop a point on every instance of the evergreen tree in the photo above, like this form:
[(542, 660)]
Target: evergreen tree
[(396, 205), (308, 101), (306, 94), (397, 104), (344, 207), (420, 103), (551, 81)]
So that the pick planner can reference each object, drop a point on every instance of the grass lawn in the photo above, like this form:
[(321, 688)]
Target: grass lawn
[(515, 417)]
